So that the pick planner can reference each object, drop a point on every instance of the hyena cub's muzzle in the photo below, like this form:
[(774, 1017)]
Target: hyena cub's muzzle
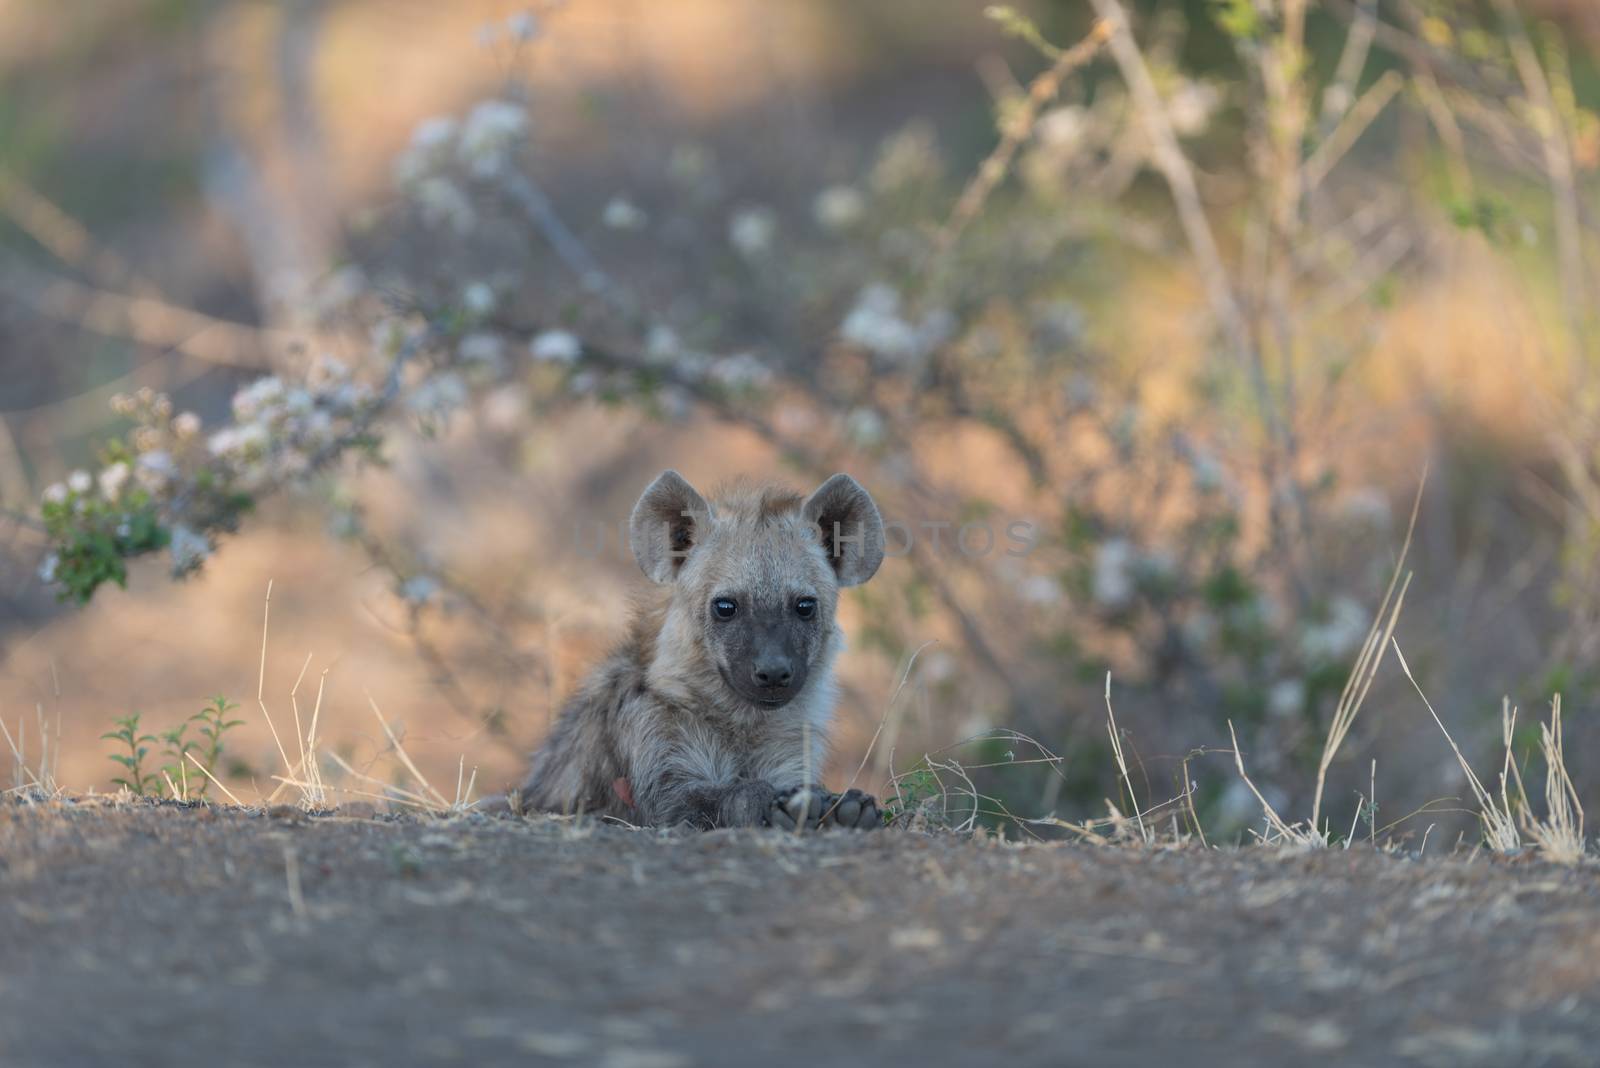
[(764, 651)]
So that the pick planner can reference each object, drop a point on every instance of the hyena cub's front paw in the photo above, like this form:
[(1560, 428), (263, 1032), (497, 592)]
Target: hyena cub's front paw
[(812, 807), (798, 806), (853, 810)]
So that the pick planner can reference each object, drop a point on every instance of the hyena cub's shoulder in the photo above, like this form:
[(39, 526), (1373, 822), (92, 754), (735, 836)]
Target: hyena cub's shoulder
[(715, 710)]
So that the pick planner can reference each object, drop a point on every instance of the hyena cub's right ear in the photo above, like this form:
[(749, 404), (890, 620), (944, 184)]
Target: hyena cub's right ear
[(851, 528), (669, 518)]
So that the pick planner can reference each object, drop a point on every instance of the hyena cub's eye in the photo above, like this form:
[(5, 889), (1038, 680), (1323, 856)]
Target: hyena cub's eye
[(723, 608), (805, 607)]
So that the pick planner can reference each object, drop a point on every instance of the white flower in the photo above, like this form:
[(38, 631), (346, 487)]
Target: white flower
[(522, 26), (186, 426), (188, 548), (693, 366), (79, 481), (1338, 635), (838, 207), (434, 135), (741, 371), (47, 570), (1287, 697), (429, 149), (327, 368), (751, 231), (492, 130), (443, 204), (1041, 590), (237, 441), (299, 401), (1191, 107), (112, 479), (555, 346), (865, 427), (1062, 129), (1238, 806), (1112, 581), (419, 589), (938, 666), (155, 470), (257, 397), (482, 348), (478, 298), (55, 493), (622, 214), (438, 396), (874, 323), (661, 344)]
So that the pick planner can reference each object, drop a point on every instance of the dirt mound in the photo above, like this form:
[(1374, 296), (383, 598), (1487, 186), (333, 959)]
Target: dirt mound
[(156, 934)]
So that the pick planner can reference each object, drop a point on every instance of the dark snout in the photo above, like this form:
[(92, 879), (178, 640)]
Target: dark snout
[(763, 654), (777, 667), (773, 672)]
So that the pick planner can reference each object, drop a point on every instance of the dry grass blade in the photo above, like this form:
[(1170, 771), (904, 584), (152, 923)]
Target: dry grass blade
[(1367, 663), (1277, 830), (261, 678), (1559, 835), (889, 710), (1122, 764), (405, 758), (216, 780), (1499, 826)]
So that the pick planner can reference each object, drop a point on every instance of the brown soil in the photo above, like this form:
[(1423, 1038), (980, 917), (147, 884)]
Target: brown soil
[(149, 934)]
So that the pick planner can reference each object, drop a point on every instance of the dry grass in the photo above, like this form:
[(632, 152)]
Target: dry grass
[(1496, 817), (39, 780), (305, 774), (1367, 662), (1278, 831), (1559, 835), (1145, 834)]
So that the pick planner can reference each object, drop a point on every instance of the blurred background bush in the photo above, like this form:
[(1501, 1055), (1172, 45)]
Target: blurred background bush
[(1144, 319)]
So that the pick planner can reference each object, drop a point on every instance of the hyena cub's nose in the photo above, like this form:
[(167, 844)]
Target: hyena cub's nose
[(773, 672)]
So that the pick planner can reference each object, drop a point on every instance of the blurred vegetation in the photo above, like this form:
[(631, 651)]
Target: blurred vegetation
[(1189, 291)]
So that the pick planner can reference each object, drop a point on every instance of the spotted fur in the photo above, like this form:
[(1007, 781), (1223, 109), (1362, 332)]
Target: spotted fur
[(670, 728)]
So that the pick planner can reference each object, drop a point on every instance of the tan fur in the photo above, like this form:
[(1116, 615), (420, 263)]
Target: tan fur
[(659, 713)]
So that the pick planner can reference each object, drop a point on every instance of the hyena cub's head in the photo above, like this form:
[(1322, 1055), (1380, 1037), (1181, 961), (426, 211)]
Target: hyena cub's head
[(755, 577)]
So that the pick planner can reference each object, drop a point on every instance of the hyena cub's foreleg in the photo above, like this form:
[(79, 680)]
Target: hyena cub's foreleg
[(696, 779), (673, 799), (753, 803)]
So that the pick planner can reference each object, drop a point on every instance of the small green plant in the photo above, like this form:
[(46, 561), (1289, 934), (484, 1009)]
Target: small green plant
[(912, 790), (213, 724), (136, 778), (178, 750), (175, 770)]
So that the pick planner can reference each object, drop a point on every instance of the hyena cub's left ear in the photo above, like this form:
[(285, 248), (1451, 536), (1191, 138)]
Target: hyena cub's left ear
[(851, 528), (666, 523)]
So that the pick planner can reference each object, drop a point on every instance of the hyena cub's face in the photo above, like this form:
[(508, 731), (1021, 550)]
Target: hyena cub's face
[(756, 576)]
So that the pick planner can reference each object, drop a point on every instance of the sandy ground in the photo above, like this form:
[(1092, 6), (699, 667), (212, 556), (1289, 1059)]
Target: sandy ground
[(156, 934)]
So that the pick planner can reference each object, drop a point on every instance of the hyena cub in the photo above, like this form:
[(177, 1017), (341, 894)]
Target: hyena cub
[(714, 712)]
